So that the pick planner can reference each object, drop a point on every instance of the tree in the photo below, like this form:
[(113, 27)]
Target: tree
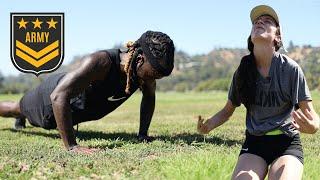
[(1, 80), (291, 46)]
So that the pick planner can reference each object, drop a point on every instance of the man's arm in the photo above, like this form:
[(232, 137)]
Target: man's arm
[(146, 108), (94, 67)]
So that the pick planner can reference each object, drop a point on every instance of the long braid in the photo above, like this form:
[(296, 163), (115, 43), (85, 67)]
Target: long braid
[(130, 51), (133, 54)]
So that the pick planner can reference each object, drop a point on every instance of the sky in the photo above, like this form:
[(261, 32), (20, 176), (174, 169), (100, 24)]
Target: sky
[(196, 27)]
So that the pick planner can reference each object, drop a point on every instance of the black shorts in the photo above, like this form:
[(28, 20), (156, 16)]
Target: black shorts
[(271, 147), (36, 105)]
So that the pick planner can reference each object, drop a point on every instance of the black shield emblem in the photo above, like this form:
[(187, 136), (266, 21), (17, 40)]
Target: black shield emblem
[(37, 41)]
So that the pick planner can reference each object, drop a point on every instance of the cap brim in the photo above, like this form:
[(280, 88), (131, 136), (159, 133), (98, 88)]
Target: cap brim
[(263, 10)]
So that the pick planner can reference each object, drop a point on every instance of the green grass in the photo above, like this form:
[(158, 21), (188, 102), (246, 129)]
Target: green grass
[(178, 153)]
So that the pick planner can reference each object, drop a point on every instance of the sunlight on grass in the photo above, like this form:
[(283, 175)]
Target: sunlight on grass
[(178, 153)]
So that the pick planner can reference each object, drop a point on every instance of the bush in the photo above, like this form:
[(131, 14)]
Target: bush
[(214, 84), (14, 88), (181, 87)]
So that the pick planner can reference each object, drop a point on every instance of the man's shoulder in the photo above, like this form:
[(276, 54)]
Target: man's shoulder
[(111, 53), (102, 57)]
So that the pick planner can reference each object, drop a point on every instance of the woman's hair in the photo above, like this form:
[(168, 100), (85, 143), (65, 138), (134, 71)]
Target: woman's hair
[(247, 73), (159, 50), (246, 76)]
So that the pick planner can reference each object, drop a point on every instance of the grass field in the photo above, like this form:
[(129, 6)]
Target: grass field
[(178, 153)]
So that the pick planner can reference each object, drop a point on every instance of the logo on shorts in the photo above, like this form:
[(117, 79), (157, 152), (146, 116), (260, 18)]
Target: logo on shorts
[(37, 41), (245, 149)]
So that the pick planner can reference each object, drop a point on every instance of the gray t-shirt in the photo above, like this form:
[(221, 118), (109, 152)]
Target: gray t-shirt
[(275, 98)]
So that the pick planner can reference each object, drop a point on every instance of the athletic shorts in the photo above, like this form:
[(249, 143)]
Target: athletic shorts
[(36, 105), (271, 147)]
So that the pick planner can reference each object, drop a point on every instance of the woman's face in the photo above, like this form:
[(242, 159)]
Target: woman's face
[(264, 28)]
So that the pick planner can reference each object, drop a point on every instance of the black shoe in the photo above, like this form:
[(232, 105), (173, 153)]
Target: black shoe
[(20, 123)]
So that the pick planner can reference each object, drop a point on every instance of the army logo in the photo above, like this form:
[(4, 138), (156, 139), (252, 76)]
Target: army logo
[(37, 41)]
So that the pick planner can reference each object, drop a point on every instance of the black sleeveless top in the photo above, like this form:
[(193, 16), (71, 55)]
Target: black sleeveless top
[(102, 97), (96, 101)]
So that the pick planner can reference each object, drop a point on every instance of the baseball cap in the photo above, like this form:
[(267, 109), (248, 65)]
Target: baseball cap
[(266, 10), (263, 10)]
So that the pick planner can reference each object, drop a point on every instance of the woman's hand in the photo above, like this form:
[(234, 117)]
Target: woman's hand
[(202, 127), (304, 122)]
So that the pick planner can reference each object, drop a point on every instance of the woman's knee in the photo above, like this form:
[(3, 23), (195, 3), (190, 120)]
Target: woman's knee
[(286, 167), (246, 175)]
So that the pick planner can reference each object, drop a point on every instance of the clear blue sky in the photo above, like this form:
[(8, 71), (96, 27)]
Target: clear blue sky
[(196, 27)]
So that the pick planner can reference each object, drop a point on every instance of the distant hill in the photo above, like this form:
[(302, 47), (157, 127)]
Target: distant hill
[(212, 71), (215, 69)]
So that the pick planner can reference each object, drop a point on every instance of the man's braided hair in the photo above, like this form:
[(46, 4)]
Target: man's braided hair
[(159, 50)]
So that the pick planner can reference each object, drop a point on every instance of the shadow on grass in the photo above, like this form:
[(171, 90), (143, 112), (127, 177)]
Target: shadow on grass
[(124, 137), (186, 138), (194, 139), (31, 131)]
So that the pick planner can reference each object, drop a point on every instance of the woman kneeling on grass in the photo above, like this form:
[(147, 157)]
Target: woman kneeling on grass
[(275, 93)]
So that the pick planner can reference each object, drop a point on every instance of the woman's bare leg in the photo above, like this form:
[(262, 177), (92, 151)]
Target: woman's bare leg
[(250, 166), (286, 167)]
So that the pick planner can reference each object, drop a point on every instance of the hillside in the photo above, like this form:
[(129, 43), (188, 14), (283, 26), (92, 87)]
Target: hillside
[(213, 71), (210, 71)]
